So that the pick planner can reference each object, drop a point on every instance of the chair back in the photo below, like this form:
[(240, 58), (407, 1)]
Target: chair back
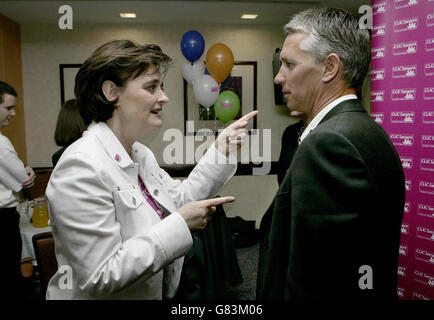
[(43, 244), (41, 181)]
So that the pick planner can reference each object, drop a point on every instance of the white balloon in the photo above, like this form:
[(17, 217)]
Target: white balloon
[(191, 72), (206, 90)]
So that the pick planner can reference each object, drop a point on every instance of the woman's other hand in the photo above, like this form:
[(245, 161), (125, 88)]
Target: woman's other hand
[(198, 213)]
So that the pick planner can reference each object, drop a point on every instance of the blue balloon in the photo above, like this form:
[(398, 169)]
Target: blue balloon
[(192, 45)]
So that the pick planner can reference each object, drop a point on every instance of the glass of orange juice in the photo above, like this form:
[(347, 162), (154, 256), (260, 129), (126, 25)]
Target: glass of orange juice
[(40, 215)]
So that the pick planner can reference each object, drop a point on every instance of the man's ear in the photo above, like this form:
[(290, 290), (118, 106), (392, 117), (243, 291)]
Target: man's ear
[(110, 90), (332, 66)]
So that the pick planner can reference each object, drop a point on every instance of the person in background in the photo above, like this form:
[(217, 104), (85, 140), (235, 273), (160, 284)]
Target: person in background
[(336, 219), (14, 176), (70, 126), (289, 145), (120, 222), (290, 139)]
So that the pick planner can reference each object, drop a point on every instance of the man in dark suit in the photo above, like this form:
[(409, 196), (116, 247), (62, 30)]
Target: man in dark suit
[(336, 219), (289, 145)]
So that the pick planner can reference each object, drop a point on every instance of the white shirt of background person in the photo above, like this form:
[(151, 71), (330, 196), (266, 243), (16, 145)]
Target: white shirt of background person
[(12, 171)]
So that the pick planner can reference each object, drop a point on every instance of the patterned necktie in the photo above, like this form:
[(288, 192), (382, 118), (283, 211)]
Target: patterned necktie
[(300, 132)]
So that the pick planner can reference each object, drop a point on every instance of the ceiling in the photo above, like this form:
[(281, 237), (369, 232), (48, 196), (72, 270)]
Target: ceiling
[(273, 12)]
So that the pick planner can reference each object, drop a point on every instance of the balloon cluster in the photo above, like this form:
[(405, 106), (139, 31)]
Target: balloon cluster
[(210, 80)]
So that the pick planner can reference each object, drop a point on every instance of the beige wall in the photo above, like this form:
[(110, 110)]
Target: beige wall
[(44, 47)]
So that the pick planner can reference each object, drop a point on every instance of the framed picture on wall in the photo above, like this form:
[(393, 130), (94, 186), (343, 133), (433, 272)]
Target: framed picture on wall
[(243, 82), (67, 81)]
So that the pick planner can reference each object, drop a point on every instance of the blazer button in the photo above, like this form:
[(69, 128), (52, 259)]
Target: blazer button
[(156, 192), (134, 201)]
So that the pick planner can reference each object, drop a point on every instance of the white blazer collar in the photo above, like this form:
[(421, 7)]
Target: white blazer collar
[(111, 143)]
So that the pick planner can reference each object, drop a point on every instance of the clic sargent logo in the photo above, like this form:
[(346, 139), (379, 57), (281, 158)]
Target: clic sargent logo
[(379, 8), (405, 228), (424, 233), (402, 116), (430, 19), (377, 96), (429, 44), (378, 117), (399, 4), (378, 53), (407, 207), (425, 210), (428, 93), (405, 48), (407, 162), (428, 117), (404, 71), (398, 139), (424, 278), (427, 141), (424, 255), (401, 292), (405, 94), (428, 69), (427, 164), (403, 250), (378, 74), (420, 296), (406, 24), (426, 187), (402, 271), (379, 30), (408, 185)]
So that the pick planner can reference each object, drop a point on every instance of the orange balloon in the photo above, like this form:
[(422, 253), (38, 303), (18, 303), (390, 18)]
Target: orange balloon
[(219, 61)]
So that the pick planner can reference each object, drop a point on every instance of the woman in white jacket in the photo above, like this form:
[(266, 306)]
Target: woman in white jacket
[(121, 224)]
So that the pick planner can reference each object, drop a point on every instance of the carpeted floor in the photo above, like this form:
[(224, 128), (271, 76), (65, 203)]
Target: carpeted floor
[(248, 261)]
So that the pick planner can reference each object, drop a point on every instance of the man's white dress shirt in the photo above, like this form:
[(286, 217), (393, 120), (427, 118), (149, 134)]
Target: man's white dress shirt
[(317, 119), (12, 174)]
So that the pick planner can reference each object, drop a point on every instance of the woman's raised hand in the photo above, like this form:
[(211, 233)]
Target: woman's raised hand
[(233, 136)]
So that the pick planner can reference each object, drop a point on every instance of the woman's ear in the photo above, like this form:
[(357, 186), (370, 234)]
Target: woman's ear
[(332, 66), (110, 90)]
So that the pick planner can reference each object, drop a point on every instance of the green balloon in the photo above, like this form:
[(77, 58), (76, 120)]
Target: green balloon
[(227, 106)]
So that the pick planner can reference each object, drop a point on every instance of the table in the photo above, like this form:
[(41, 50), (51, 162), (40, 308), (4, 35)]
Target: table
[(27, 231)]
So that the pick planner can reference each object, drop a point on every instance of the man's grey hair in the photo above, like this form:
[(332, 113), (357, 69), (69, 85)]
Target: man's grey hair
[(335, 31)]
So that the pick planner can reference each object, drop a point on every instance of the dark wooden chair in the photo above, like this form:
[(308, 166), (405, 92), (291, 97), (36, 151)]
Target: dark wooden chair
[(43, 244)]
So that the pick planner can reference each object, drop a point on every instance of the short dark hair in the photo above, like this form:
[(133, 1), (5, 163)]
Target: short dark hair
[(70, 124), (5, 88), (117, 61)]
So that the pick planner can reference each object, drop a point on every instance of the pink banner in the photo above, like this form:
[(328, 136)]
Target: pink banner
[(402, 99)]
